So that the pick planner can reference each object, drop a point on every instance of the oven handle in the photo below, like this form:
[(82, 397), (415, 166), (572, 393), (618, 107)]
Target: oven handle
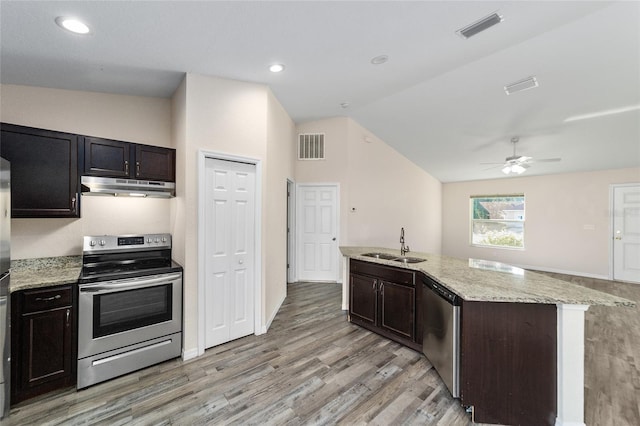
[(129, 284)]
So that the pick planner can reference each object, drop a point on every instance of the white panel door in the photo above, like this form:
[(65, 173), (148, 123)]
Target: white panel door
[(626, 233), (229, 250), (317, 231)]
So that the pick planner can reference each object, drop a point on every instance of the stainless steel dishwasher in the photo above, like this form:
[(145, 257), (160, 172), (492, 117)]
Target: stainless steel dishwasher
[(441, 338)]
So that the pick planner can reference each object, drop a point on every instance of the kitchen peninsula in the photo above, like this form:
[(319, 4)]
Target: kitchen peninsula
[(505, 361)]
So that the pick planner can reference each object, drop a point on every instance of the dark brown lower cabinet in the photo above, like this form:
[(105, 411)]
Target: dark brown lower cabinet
[(43, 348), (508, 362), (508, 351), (383, 299)]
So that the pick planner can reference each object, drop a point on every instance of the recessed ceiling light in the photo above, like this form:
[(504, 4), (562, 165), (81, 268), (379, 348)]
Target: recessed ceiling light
[(379, 59), (276, 68), (72, 24), (344, 104), (519, 86), (481, 25)]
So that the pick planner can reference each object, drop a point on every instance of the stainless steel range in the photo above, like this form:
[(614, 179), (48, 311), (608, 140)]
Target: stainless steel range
[(130, 305)]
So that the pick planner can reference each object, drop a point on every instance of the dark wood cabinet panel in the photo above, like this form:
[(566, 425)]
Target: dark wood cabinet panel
[(364, 298), (398, 308), (110, 158), (155, 163), (383, 299), (43, 341), (106, 158), (508, 362), (44, 171), (47, 349)]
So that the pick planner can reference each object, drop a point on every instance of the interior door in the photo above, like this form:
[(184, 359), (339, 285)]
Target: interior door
[(626, 233), (229, 250), (317, 232)]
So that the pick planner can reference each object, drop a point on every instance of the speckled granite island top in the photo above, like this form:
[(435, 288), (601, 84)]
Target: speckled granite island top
[(486, 281), (44, 272)]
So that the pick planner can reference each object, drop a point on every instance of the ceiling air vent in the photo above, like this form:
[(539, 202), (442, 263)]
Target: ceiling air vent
[(311, 146), (519, 86), (479, 26)]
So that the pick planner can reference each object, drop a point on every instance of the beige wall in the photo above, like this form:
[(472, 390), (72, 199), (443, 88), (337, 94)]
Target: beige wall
[(241, 119), (567, 220), (280, 162), (129, 118), (386, 190), (389, 192), (334, 168)]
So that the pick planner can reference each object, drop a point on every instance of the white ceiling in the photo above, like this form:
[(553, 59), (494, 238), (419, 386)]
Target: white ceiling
[(439, 99)]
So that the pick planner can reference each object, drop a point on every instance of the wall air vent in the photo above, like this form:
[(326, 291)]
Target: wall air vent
[(519, 86), (311, 146), (479, 26)]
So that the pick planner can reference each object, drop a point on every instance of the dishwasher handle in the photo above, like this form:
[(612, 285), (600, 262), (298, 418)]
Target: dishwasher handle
[(443, 292)]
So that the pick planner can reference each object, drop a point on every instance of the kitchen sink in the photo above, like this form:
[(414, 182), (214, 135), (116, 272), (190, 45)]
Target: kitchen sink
[(384, 256), (405, 259), (402, 259)]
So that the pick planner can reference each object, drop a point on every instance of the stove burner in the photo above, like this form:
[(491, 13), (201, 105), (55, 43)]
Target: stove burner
[(116, 257)]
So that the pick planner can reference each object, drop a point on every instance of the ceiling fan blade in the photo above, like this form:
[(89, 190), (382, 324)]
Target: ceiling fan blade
[(547, 160), (494, 167), (485, 164)]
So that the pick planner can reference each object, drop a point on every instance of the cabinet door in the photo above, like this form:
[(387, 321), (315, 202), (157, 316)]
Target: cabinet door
[(44, 171), (363, 298), (106, 158), (46, 354), (398, 309), (155, 163)]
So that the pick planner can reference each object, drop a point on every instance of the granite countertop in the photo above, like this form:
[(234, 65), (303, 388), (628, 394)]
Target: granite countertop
[(487, 281), (44, 272)]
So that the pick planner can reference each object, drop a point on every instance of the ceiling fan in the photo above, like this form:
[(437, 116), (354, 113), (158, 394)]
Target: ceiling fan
[(519, 163)]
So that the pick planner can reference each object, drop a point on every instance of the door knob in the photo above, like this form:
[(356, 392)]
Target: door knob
[(618, 235), (241, 261), (333, 239)]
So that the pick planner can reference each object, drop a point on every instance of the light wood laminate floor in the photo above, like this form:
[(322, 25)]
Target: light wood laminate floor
[(313, 367)]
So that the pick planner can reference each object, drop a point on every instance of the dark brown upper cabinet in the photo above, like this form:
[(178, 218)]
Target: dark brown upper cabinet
[(44, 171), (110, 158)]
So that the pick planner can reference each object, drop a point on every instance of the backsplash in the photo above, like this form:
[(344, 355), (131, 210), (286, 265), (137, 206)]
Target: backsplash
[(31, 238)]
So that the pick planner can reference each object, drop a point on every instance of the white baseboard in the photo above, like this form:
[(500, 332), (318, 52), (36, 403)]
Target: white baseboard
[(189, 354), (273, 315), (562, 271)]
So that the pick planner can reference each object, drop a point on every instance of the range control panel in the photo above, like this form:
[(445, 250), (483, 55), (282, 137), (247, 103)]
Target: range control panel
[(111, 243)]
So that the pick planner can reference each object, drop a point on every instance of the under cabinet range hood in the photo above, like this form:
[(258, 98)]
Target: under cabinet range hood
[(92, 185)]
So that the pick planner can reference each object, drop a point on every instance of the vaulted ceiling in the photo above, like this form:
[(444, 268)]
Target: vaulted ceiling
[(439, 99)]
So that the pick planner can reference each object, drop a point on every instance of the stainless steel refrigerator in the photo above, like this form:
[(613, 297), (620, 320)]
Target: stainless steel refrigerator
[(5, 298)]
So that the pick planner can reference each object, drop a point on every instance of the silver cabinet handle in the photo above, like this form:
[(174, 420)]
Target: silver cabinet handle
[(137, 168), (126, 167), (68, 314), (73, 203), (48, 299)]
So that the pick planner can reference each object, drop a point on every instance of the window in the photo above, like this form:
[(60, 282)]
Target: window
[(497, 221)]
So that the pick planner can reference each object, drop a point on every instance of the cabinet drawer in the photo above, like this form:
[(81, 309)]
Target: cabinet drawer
[(387, 273), (50, 298)]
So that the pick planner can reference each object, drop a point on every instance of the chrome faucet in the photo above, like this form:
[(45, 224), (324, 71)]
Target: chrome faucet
[(403, 249)]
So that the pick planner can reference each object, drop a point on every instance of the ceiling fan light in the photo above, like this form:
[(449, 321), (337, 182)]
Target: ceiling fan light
[(513, 168), (72, 24)]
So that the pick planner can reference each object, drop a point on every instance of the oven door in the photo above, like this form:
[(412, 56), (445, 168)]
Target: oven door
[(119, 313)]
